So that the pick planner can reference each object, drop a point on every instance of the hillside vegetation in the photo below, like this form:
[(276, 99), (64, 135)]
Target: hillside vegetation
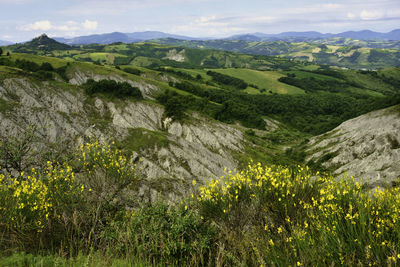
[(260, 216), (120, 160), (339, 52), (353, 92), (153, 55)]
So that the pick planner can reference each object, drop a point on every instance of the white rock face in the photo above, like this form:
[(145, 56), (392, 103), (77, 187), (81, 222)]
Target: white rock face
[(43, 106), (199, 150), (173, 54), (367, 147)]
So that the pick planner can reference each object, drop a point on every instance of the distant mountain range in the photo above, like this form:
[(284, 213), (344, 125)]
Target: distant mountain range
[(303, 36), (108, 38), (5, 43), (114, 37)]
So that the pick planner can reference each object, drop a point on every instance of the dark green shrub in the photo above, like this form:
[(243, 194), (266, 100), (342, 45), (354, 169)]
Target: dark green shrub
[(110, 87), (46, 67), (250, 132), (172, 234), (174, 108), (132, 71), (43, 75), (62, 71), (227, 80), (27, 65)]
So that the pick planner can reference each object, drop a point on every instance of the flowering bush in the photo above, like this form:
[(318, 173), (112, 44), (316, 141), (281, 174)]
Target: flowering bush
[(294, 217), (106, 170), (28, 203), (48, 206), (259, 216)]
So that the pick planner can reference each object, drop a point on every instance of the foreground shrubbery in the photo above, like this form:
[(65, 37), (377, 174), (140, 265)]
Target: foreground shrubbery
[(65, 206), (278, 216), (261, 216)]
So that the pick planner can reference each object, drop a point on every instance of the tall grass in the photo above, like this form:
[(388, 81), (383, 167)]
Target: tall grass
[(273, 215), (84, 212)]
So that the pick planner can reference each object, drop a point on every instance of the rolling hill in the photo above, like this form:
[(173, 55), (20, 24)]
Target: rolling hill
[(5, 43), (109, 38), (40, 43), (310, 35), (323, 52), (230, 88), (136, 154), (338, 51), (151, 55)]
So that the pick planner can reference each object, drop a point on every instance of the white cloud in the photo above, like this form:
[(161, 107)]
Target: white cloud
[(331, 6), (90, 25), (206, 31), (325, 17), (394, 12), (209, 22), (68, 27), (371, 15), (6, 37), (307, 10), (259, 19), (198, 18), (351, 15), (15, 2), (72, 23), (206, 19), (208, 26), (42, 25), (118, 7), (234, 22)]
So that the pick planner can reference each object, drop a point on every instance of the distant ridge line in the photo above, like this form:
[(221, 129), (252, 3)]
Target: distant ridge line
[(108, 38)]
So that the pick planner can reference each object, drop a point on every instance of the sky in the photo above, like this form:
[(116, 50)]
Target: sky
[(21, 20)]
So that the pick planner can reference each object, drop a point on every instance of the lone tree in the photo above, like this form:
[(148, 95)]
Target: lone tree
[(1, 51)]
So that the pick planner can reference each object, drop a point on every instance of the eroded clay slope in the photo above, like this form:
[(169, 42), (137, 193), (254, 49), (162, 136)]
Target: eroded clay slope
[(367, 147)]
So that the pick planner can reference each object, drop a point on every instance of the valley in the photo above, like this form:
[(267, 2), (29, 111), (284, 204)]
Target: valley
[(172, 151), (200, 87)]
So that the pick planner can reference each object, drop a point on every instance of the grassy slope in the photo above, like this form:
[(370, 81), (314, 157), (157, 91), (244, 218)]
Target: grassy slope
[(329, 54), (255, 147), (261, 146), (145, 54), (148, 76), (363, 84), (269, 80), (55, 62), (370, 82), (390, 72), (263, 79), (100, 56)]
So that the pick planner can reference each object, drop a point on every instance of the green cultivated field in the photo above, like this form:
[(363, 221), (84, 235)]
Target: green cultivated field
[(100, 57), (263, 79)]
